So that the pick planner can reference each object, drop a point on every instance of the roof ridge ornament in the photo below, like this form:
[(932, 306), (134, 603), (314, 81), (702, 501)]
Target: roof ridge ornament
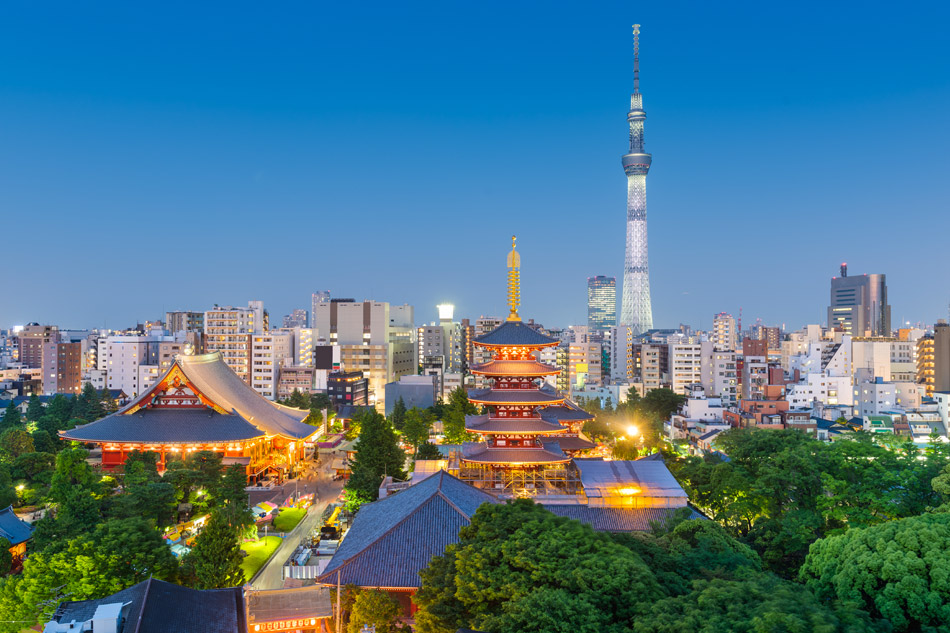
[(514, 282)]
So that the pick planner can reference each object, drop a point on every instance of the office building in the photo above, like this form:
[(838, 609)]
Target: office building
[(321, 296), (859, 305), (601, 303), (296, 319), (374, 337), (348, 388), (30, 342), (269, 352)]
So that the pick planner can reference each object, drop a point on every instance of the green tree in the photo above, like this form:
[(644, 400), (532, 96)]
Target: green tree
[(625, 449), (107, 403), (428, 450), (6, 558), (453, 420), (754, 603), (320, 401), (11, 417), (31, 465), (298, 400), (398, 416), (377, 455), (374, 608), (897, 570), (416, 426), (87, 405), (75, 491), (35, 409), (43, 442), (15, 441), (60, 408), (215, 560), (113, 556), (517, 567)]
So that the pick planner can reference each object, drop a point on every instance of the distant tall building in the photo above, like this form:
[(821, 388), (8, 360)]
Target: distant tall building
[(925, 363), (297, 318), (601, 303), (725, 336), (859, 304), (62, 371), (320, 296), (637, 309)]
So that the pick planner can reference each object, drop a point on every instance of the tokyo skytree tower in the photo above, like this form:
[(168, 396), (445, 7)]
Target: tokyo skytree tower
[(636, 310)]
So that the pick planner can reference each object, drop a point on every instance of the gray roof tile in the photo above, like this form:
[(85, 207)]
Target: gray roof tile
[(393, 538), (515, 333), (166, 426)]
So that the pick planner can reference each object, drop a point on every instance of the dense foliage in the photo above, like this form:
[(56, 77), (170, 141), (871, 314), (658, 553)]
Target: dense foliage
[(377, 455), (780, 491), (518, 567)]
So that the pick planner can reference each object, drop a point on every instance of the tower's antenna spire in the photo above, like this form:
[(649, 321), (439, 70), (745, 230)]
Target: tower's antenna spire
[(636, 59), (514, 282)]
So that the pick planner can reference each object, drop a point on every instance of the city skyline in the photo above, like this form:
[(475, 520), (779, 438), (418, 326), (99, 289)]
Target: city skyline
[(279, 134)]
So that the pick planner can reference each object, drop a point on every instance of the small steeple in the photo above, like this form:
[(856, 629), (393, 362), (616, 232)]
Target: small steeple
[(636, 59), (514, 282)]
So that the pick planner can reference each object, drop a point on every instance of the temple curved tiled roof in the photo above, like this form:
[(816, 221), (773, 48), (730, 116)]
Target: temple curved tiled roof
[(481, 453), (166, 426), (217, 382), (514, 396), (514, 368), (515, 333), (565, 413), (487, 424)]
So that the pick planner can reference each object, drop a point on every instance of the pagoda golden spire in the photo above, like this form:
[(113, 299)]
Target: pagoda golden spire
[(514, 282)]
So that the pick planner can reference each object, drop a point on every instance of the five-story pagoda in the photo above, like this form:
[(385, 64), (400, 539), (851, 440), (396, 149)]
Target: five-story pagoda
[(519, 455)]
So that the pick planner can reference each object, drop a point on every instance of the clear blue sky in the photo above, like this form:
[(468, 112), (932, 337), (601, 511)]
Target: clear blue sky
[(176, 155)]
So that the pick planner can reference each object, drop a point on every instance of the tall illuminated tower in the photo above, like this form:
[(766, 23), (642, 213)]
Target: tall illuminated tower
[(636, 310)]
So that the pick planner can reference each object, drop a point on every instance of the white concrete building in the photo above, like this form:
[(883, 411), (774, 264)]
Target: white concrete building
[(269, 352), (686, 364)]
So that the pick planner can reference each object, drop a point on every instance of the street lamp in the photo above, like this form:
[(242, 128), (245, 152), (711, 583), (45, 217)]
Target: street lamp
[(633, 431)]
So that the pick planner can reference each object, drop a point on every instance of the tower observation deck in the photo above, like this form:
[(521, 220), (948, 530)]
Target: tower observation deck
[(636, 308)]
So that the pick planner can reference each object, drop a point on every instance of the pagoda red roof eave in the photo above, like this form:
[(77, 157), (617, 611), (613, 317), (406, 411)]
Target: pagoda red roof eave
[(524, 345), (533, 403), (510, 463)]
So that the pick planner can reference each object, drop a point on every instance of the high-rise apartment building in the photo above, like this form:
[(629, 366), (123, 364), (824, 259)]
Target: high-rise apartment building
[(686, 365), (269, 352), (584, 365), (637, 309), (725, 336), (182, 320), (859, 305), (621, 338), (62, 368), (228, 330), (925, 363), (374, 337), (651, 365), (601, 303), (942, 356), (31, 340)]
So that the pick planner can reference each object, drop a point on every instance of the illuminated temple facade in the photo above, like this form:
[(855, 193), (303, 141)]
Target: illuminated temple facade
[(529, 432), (200, 404)]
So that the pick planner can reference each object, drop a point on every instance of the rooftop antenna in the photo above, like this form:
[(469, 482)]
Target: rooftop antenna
[(636, 59)]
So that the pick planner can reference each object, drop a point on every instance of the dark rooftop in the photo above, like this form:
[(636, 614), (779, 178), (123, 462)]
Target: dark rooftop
[(604, 519), (157, 606), (393, 538), (515, 333), (166, 426), (13, 528)]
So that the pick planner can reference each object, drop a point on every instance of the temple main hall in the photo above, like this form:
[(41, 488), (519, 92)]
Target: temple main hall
[(200, 404)]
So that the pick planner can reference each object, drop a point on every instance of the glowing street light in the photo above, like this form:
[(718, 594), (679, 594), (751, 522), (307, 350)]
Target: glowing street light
[(632, 430)]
